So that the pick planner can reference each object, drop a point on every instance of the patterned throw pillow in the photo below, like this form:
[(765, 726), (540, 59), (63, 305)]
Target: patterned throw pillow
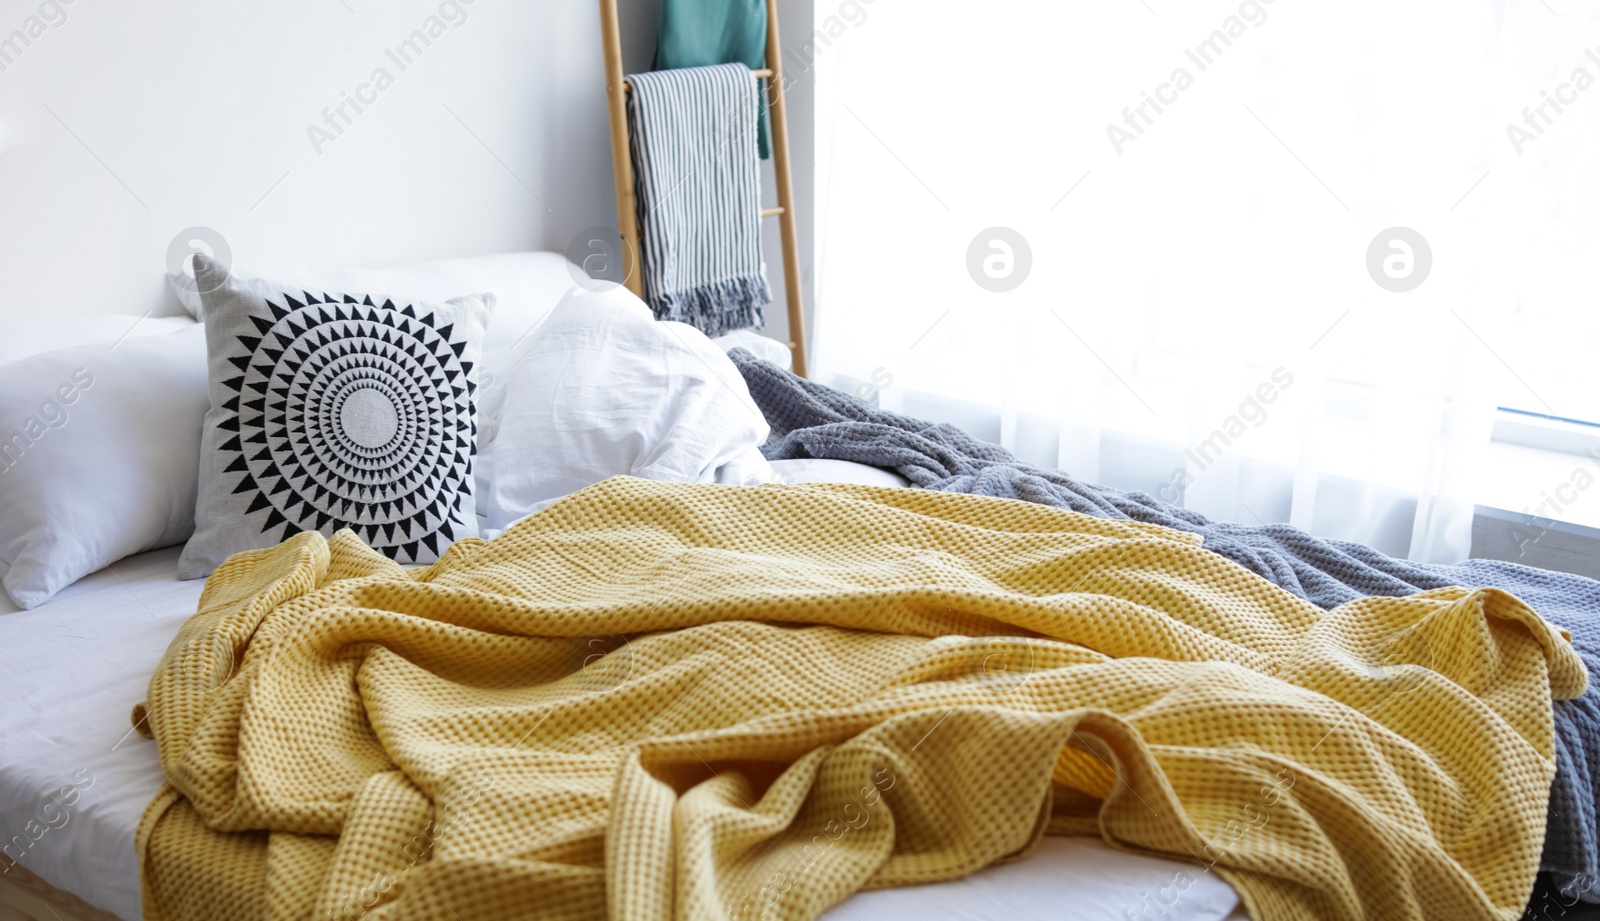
[(332, 412)]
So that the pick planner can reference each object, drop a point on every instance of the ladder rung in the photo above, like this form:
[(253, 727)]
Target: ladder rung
[(765, 212), (762, 74)]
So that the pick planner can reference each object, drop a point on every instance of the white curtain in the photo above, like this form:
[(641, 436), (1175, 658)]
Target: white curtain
[(1199, 320)]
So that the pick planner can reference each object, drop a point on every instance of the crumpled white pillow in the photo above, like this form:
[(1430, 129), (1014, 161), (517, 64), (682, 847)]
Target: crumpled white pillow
[(602, 389)]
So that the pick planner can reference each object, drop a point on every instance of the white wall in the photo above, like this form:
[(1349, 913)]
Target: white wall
[(125, 123)]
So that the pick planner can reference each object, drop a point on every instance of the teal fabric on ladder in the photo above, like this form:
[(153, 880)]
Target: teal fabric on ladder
[(696, 33)]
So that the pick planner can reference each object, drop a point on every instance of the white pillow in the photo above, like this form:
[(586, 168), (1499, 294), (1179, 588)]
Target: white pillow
[(765, 348), (26, 336), (602, 389), (824, 470), (526, 286), (99, 454)]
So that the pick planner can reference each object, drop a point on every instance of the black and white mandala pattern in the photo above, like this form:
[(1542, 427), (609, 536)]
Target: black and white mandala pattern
[(346, 414)]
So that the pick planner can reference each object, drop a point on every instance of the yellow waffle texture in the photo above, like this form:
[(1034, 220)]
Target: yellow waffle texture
[(657, 701)]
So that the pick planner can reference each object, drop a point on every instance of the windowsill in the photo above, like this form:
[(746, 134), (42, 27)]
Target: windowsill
[(1543, 470), (1539, 500)]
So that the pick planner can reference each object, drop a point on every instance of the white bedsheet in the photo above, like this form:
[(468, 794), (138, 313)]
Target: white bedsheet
[(73, 669)]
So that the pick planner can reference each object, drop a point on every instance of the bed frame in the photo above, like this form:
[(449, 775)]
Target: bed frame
[(25, 897)]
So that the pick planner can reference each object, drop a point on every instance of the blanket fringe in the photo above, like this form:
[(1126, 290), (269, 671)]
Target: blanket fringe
[(717, 308)]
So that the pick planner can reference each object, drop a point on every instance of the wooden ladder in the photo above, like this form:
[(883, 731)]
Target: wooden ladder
[(622, 167)]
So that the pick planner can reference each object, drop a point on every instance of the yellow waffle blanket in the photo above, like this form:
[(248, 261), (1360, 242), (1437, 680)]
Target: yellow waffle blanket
[(655, 701)]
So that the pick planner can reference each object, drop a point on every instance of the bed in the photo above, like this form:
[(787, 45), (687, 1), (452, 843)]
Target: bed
[(77, 772)]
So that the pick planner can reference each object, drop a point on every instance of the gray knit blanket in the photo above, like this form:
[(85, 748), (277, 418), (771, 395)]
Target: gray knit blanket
[(810, 420)]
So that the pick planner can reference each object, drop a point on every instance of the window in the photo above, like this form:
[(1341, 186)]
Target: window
[(1210, 194)]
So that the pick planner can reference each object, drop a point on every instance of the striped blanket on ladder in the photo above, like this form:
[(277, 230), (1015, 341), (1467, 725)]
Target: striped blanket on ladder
[(698, 186)]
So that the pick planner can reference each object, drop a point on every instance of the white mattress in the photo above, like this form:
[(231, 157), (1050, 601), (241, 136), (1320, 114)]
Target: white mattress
[(73, 669)]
